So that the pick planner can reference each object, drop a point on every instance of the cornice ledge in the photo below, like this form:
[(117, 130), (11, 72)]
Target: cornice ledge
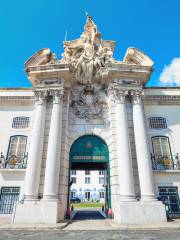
[(50, 67), (17, 100), (162, 99), (130, 67)]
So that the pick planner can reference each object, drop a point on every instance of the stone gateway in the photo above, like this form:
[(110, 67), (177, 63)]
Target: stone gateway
[(89, 99), (89, 74)]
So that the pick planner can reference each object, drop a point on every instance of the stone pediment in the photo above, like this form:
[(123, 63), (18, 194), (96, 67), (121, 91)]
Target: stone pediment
[(41, 57), (135, 56)]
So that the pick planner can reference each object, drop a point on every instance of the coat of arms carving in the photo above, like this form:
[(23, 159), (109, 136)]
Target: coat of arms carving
[(88, 104)]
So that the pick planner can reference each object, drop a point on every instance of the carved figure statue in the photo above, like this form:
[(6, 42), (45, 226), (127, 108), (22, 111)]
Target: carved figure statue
[(87, 55)]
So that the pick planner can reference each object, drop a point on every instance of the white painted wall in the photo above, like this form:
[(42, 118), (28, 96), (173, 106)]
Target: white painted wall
[(167, 179), (172, 115), (9, 110)]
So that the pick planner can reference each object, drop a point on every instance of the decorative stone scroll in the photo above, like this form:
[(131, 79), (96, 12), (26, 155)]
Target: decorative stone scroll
[(88, 105), (88, 54)]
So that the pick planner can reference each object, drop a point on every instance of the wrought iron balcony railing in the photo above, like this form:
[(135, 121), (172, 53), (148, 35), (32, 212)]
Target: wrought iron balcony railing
[(13, 162), (165, 162)]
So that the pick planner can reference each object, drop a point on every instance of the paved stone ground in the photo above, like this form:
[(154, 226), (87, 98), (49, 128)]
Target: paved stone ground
[(97, 229), (87, 235)]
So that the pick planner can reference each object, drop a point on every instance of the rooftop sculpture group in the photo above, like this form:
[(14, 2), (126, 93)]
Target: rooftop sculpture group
[(88, 54), (87, 59)]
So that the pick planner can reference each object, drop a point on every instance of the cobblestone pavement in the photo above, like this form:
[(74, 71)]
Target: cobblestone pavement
[(86, 235)]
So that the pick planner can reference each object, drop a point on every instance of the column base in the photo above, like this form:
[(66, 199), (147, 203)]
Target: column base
[(50, 198), (140, 213), (38, 212), (127, 198), (30, 198), (150, 198)]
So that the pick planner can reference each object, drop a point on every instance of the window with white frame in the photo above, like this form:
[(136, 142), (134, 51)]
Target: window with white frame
[(17, 146), (170, 197), (21, 122), (101, 180), (73, 194), (87, 180), (101, 194), (157, 122), (101, 172), (73, 172), (161, 146), (73, 179), (87, 195), (87, 172)]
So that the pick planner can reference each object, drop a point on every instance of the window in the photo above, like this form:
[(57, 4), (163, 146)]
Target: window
[(73, 172), (101, 180), (157, 123), (87, 195), (21, 122), (87, 172), (8, 198), (101, 172), (73, 179), (101, 194), (169, 196), (161, 146), (17, 146), (87, 180), (73, 194)]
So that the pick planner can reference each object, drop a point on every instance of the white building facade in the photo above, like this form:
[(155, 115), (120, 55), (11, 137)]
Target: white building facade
[(89, 111), (87, 186)]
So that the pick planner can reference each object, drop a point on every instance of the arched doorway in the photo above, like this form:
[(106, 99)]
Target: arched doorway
[(90, 153)]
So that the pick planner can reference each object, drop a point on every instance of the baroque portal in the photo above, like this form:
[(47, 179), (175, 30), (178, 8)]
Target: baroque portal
[(75, 96)]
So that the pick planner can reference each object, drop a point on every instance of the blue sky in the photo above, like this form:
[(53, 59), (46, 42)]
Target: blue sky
[(152, 26)]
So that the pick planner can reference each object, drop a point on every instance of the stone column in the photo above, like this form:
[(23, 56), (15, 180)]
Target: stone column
[(123, 148), (35, 151), (54, 149), (142, 149)]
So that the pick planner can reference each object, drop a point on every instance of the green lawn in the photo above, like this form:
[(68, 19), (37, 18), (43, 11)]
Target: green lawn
[(87, 205)]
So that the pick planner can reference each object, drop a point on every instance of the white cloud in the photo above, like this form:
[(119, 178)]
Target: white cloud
[(171, 73)]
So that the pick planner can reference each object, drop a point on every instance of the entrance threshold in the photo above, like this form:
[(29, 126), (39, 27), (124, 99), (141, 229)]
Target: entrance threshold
[(88, 214)]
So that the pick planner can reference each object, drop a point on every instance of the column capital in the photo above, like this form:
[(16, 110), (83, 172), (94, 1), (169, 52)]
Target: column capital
[(57, 95), (136, 96), (40, 97), (118, 94)]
